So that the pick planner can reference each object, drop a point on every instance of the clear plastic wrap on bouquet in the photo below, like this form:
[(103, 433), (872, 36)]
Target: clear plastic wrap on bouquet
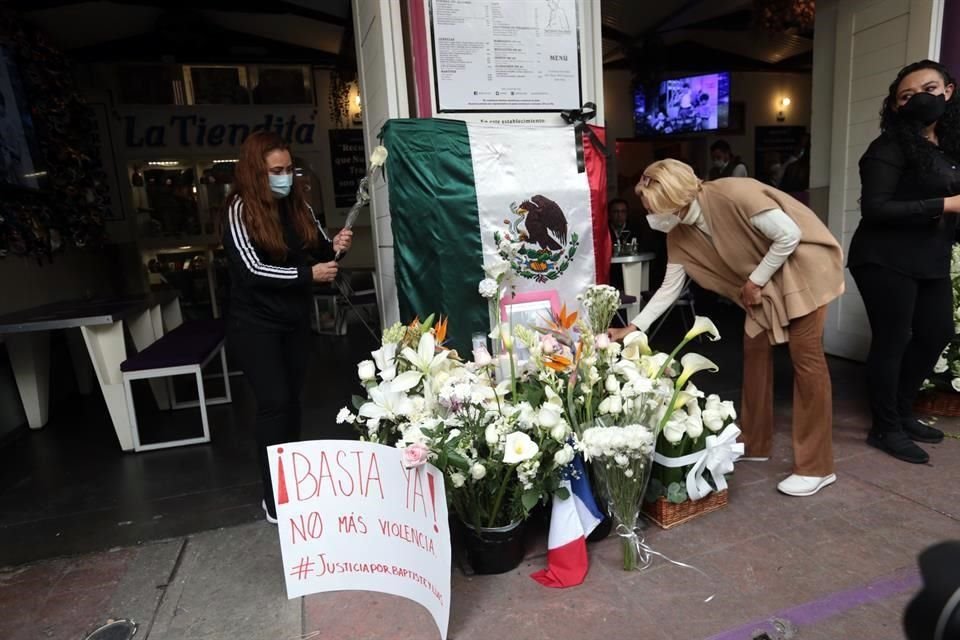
[(621, 459)]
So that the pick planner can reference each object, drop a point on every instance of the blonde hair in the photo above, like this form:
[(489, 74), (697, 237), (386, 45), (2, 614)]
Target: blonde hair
[(668, 186)]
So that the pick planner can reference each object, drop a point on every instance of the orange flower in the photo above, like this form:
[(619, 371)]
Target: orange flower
[(440, 331), (557, 362), (563, 321)]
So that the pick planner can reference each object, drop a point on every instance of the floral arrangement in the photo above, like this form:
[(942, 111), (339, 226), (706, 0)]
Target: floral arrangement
[(504, 427), (946, 373)]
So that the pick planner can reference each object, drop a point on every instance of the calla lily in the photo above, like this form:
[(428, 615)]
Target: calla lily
[(502, 332), (681, 400), (425, 358), (700, 326), (692, 363), (636, 345), (650, 365), (552, 396), (519, 448)]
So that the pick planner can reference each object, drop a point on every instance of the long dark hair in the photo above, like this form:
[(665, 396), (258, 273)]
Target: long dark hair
[(260, 210), (919, 151)]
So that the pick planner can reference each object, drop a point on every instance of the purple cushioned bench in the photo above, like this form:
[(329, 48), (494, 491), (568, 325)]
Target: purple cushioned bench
[(184, 351)]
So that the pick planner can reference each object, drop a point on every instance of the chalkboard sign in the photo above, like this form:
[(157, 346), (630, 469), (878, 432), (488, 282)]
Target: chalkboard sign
[(349, 161)]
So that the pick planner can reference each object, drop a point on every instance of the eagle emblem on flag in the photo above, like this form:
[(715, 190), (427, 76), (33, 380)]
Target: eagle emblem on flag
[(536, 242)]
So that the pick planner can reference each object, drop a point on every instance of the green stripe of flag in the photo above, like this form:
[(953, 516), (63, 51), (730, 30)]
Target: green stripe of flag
[(436, 229)]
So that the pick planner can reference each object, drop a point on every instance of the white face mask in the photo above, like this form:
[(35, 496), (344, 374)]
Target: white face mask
[(663, 222), (719, 164)]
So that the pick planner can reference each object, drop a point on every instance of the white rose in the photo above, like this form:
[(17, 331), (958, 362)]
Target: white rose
[(564, 456), (712, 419), (612, 385), (478, 471), (727, 410), (366, 370), (549, 416), (694, 427), (492, 434), (457, 479), (674, 431), (560, 432), (379, 156)]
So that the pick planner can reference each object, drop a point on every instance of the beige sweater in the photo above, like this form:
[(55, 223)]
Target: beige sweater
[(811, 277)]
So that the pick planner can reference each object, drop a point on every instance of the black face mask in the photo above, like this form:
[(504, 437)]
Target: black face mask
[(924, 108)]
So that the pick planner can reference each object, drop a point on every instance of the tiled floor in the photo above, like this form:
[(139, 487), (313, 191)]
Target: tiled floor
[(173, 539)]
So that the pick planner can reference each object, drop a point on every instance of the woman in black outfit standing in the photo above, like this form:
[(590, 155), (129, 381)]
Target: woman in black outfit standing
[(900, 253), (276, 250)]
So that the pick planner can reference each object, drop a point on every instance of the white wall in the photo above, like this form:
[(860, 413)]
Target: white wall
[(760, 92), (873, 40)]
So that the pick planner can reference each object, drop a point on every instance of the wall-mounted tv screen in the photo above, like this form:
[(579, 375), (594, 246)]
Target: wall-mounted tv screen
[(683, 105), (18, 148)]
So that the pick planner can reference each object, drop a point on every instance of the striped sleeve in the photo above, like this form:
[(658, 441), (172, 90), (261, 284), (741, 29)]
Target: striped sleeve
[(247, 260)]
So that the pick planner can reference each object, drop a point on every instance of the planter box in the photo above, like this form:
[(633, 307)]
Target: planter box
[(938, 403), (667, 514)]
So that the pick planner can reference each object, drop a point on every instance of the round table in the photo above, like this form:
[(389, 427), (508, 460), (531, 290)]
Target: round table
[(636, 272)]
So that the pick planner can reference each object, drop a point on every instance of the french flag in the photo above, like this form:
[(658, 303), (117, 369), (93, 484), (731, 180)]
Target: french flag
[(571, 521)]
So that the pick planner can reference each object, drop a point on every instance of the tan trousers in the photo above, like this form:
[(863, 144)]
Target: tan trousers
[(812, 399)]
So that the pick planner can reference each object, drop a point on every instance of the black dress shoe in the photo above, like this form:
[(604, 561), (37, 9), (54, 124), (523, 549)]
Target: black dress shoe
[(897, 444), (920, 432)]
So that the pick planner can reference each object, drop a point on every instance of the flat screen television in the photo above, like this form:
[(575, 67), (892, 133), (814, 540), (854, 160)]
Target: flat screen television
[(683, 105), (19, 155)]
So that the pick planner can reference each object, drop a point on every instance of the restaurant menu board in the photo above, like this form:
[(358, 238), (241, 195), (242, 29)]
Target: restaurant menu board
[(349, 161), (505, 55)]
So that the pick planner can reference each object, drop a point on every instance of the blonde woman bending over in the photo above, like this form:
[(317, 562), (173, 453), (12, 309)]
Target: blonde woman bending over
[(771, 255)]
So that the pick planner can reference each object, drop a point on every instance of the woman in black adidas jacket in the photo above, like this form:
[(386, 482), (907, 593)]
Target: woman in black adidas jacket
[(276, 250)]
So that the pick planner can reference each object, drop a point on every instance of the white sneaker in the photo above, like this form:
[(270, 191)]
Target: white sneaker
[(795, 485), (753, 459), (266, 514)]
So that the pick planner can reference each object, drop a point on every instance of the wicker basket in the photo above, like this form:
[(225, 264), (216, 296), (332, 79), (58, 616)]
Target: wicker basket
[(667, 514), (938, 403)]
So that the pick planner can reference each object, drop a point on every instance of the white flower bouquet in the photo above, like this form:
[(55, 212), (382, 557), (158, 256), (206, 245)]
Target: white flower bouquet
[(946, 373), (621, 458), (501, 455)]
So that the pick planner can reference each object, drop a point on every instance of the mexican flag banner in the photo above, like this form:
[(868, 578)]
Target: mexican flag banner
[(457, 190)]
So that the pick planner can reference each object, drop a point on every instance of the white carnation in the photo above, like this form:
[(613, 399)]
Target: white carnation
[(488, 288), (478, 471)]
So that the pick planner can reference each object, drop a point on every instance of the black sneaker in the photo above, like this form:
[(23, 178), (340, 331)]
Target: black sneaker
[(897, 444), (920, 432)]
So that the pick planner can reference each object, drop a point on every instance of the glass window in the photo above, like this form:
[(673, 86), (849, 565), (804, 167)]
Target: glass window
[(165, 193), (150, 84), (217, 85), (282, 85)]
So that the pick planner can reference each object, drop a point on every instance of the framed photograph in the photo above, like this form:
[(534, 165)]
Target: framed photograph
[(531, 308)]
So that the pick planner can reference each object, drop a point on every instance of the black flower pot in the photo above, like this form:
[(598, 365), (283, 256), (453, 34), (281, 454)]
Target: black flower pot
[(495, 550)]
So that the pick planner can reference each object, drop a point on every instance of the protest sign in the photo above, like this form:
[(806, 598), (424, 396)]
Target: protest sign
[(350, 516)]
